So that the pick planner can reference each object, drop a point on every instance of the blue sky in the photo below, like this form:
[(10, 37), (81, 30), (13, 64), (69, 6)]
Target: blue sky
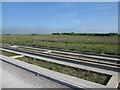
[(49, 17)]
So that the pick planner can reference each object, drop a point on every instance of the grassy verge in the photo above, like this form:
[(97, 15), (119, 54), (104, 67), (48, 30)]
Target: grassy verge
[(80, 73), (7, 53)]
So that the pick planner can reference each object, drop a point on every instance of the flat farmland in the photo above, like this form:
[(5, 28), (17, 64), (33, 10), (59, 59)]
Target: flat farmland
[(92, 44)]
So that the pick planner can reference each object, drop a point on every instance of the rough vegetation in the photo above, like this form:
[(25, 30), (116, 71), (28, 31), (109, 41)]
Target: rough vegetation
[(92, 44), (7, 53)]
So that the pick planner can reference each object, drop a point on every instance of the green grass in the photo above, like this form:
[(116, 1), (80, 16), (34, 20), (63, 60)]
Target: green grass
[(93, 44), (6, 45), (9, 54), (80, 73)]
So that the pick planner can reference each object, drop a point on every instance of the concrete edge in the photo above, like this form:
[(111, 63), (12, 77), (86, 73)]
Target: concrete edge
[(74, 81)]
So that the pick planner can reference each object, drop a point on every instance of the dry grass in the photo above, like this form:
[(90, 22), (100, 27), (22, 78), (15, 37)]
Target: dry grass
[(80, 73), (9, 54)]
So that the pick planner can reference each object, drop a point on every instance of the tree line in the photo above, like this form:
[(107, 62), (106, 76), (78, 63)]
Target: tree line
[(88, 34)]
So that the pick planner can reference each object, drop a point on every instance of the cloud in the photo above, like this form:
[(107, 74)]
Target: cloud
[(26, 30)]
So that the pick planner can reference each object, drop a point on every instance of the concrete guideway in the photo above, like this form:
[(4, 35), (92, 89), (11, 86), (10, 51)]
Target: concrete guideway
[(74, 81), (92, 55), (57, 59), (109, 64), (65, 63), (104, 64), (73, 53)]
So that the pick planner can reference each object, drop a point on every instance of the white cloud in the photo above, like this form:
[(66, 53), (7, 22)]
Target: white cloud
[(26, 30)]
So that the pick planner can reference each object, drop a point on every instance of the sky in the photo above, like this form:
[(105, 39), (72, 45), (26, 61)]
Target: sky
[(53, 17)]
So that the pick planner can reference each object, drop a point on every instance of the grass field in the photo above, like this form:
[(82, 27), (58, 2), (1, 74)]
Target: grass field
[(93, 44)]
